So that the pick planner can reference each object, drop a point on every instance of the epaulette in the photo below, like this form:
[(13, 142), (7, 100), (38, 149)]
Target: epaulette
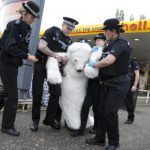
[(17, 22), (56, 28)]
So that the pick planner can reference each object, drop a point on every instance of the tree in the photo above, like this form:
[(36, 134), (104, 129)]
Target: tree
[(131, 17), (119, 14), (142, 17)]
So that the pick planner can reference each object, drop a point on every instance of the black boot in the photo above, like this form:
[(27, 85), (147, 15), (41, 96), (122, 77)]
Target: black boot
[(55, 124), (77, 133), (12, 132), (95, 141), (128, 121), (34, 126), (92, 131), (112, 147)]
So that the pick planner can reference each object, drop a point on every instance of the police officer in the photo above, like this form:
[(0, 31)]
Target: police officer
[(114, 84), (131, 98), (54, 40), (91, 98), (13, 49)]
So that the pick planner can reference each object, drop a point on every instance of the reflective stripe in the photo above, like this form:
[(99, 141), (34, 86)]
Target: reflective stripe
[(34, 13), (69, 23)]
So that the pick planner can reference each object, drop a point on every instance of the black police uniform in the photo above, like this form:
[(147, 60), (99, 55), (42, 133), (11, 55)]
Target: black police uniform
[(13, 49), (57, 42), (131, 97), (91, 99), (114, 84)]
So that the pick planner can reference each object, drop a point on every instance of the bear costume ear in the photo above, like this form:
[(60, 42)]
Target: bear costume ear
[(73, 47), (77, 46)]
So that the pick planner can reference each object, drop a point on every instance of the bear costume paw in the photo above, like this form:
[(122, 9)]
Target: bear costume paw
[(53, 72)]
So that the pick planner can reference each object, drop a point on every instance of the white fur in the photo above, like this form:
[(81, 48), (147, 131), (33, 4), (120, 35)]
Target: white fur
[(74, 85), (53, 74), (89, 71)]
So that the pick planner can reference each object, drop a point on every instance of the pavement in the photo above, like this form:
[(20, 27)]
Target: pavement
[(132, 137)]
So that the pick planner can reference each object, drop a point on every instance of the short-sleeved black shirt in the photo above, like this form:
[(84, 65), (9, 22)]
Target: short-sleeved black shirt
[(133, 66), (121, 50), (57, 41)]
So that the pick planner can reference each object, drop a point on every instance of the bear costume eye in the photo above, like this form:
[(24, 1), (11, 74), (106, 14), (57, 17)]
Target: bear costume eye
[(75, 60)]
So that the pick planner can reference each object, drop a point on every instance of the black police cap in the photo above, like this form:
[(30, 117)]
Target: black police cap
[(112, 23), (100, 36), (70, 22), (32, 8)]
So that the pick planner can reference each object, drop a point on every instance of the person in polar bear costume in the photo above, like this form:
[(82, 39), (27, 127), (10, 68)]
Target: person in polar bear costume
[(74, 85), (91, 98)]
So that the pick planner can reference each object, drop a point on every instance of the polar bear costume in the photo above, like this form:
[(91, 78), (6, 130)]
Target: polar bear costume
[(90, 71), (74, 85), (53, 73)]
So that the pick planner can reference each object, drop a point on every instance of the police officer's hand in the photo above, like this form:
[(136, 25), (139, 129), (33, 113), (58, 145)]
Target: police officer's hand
[(134, 88), (59, 58), (65, 60), (32, 58)]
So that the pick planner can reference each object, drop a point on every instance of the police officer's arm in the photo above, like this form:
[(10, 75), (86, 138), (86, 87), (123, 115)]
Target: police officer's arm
[(137, 75), (12, 40), (115, 52), (43, 43), (11, 45), (42, 46), (136, 80), (110, 59)]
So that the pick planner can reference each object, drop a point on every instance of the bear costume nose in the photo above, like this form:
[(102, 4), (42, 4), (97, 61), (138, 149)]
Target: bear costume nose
[(79, 70)]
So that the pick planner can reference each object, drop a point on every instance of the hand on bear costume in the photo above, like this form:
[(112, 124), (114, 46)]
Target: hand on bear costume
[(54, 75), (89, 70), (59, 58)]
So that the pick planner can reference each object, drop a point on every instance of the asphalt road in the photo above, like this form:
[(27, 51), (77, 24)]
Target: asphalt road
[(132, 137)]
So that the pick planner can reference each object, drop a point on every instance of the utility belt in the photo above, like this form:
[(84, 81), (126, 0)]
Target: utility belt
[(12, 60), (111, 81), (41, 57)]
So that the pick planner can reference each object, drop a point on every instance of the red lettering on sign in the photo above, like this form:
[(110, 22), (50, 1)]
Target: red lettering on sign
[(145, 25), (133, 26), (140, 25), (125, 26)]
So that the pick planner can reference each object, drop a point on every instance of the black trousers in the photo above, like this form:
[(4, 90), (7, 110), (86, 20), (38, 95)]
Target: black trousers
[(130, 102), (91, 99), (111, 97), (53, 109), (8, 75), (2, 96)]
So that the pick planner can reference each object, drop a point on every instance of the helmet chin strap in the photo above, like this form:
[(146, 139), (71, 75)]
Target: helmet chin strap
[(111, 38), (114, 37)]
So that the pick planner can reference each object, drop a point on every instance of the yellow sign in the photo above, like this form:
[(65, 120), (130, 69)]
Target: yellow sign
[(129, 27), (137, 26)]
